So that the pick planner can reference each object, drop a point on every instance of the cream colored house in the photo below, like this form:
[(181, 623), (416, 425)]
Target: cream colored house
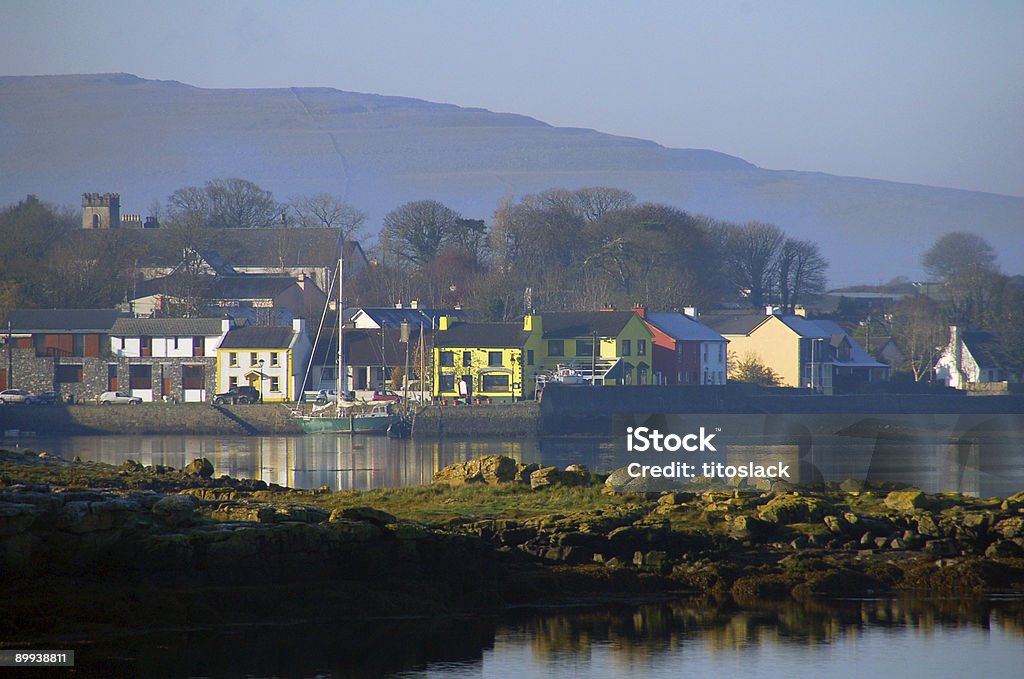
[(803, 352)]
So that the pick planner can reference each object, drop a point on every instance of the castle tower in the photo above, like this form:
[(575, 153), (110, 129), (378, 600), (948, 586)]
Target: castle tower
[(101, 211)]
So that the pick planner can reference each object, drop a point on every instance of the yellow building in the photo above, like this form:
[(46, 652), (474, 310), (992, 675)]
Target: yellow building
[(605, 347), (483, 360), (271, 359)]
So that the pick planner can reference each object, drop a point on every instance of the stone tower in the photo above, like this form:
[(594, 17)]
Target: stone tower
[(101, 211)]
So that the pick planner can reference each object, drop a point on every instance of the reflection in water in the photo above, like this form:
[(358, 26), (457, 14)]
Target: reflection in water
[(972, 455), (854, 638)]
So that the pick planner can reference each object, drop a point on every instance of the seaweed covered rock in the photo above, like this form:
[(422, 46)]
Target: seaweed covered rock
[(490, 469)]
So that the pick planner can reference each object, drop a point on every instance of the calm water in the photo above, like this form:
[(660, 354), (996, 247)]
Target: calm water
[(851, 638), (983, 458)]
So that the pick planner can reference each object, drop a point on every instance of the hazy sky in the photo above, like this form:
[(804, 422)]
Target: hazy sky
[(929, 91)]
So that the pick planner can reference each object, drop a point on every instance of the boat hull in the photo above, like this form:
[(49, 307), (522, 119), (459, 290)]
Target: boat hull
[(356, 424)]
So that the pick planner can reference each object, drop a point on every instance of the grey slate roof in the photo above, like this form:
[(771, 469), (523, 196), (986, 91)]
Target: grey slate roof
[(258, 337), (984, 347), (569, 324), (250, 287), (682, 327), (484, 335), (389, 317), (731, 322), (62, 320), (165, 327)]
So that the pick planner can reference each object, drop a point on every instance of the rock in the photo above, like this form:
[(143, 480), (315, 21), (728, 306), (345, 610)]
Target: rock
[(368, 514), (944, 547), (407, 530), (576, 475), (175, 510), (244, 511), (906, 500), (132, 466), (749, 528), (354, 531), (786, 509), (523, 472), (1010, 528), (490, 469), (675, 498), (852, 486), (199, 467), (926, 526), (836, 524), (1004, 549), (545, 477)]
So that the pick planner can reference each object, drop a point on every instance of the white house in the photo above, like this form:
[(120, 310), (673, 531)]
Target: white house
[(971, 357), (272, 359), (166, 358)]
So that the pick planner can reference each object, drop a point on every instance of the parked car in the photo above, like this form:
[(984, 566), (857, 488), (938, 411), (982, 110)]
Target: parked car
[(331, 396), (16, 396), (386, 395), (47, 398), (118, 398), (243, 394)]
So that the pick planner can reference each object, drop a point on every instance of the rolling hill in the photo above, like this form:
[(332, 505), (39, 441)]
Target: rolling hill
[(63, 135)]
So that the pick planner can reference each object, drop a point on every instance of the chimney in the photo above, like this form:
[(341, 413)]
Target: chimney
[(299, 325), (414, 304), (690, 311), (301, 280), (398, 304), (800, 311), (640, 310), (607, 306), (769, 310)]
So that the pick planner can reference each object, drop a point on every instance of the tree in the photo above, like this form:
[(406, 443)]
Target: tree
[(956, 252), (917, 329), (29, 231), (751, 369), (224, 203), (415, 232), (752, 252), (801, 272), (325, 210)]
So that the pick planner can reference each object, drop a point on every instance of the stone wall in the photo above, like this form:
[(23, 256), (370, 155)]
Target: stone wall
[(506, 419)]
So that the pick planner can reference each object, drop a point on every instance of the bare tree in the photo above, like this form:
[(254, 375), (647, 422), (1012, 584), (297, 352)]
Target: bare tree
[(801, 272), (752, 258), (224, 203), (415, 232), (919, 332), (326, 210)]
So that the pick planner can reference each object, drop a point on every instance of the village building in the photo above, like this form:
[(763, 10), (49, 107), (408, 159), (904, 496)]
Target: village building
[(685, 351), (271, 359)]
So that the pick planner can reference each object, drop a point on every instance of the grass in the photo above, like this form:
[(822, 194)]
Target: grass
[(440, 504)]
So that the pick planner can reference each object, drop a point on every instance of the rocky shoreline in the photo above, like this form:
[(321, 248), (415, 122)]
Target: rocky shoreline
[(89, 548)]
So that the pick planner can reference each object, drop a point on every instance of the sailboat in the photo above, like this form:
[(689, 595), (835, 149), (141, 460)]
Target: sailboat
[(346, 418)]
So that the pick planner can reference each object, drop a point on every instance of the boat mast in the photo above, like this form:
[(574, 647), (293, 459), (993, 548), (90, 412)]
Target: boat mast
[(341, 326)]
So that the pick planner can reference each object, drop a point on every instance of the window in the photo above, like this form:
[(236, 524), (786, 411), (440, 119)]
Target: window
[(641, 347), (145, 346), (232, 383), (448, 381), (447, 359), (193, 377), (720, 350), (67, 374), (174, 342), (529, 357), (467, 359), (233, 359), (495, 382), (584, 347), (627, 349), (254, 358), (275, 384), (556, 348), (494, 359), (705, 353), (197, 346), (140, 377), (274, 360)]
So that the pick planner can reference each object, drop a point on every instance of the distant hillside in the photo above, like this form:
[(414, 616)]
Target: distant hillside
[(63, 135)]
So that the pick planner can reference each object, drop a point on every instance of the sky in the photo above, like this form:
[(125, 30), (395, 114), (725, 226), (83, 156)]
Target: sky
[(927, 92)]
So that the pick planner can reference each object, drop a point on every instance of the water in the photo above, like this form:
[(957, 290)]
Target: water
[(940, 459), (847, 638)]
